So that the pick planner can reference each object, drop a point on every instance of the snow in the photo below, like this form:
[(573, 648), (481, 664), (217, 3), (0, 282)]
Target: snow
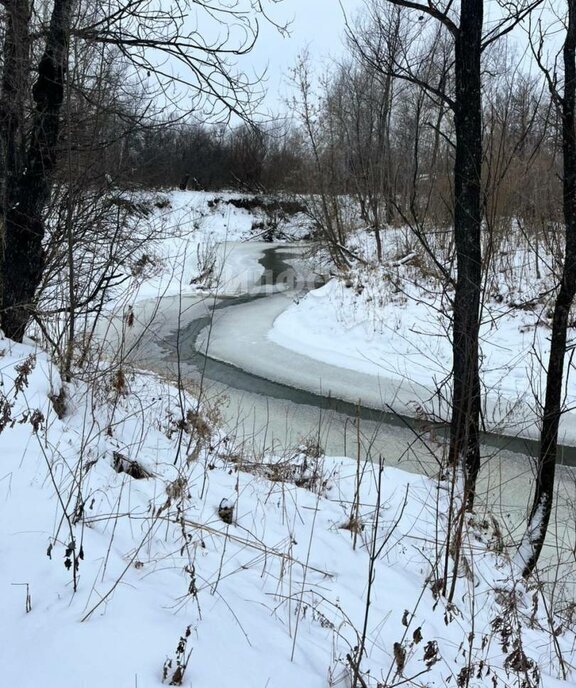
[(394, 326), (138, 537), (532, 537), (197, 242), (312, 344), (252, 349), (309, 327), (190, 235), (275, 597)]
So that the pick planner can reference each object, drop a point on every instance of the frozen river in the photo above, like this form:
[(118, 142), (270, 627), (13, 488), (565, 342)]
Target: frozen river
[(219, 343)]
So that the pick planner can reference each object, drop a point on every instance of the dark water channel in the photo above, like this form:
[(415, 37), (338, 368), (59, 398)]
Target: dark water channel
[(277, 269)]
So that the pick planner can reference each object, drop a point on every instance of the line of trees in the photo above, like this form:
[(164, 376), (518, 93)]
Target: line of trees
[(249, 157)]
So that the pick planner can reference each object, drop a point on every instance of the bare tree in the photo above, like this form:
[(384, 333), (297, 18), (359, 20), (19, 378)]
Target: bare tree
[(364, 100), (247, 154), (466, 402), (326, 178), (534, 537), (147, 35), (466, 105), (28, 189), (459, 88), (191, 43)]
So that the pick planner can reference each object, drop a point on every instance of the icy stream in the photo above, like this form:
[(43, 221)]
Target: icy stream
[(266, 414)]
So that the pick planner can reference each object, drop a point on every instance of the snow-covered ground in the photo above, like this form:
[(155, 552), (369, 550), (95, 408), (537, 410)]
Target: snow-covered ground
[(393, 323), (264, 572), (141, 544), (388, 326), (191, 250)]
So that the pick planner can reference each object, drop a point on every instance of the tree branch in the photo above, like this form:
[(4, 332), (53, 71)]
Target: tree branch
[(431, 11)]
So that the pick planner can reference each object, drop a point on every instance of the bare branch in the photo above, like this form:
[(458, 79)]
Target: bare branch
[(431, 10)]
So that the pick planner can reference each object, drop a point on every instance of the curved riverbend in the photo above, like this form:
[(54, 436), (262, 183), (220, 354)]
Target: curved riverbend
[(275, 266), (266, 416)]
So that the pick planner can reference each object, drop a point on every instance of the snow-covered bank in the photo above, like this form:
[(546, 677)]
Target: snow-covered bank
[(142, 544), (198, 244), (306, 345), (393, 324), (253, 350), (185, 553)]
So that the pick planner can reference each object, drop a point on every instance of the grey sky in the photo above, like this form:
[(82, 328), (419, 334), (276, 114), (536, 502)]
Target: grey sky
[(318, 24)]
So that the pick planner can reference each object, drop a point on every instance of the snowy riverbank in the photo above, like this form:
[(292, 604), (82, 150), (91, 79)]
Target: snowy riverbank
[(135, 541), (144, 545)]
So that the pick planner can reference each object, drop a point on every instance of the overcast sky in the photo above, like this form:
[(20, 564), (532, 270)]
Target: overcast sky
[(318, 24), (315, 25)]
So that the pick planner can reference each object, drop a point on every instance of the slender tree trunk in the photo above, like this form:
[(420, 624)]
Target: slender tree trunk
[(23, 259), (464, 434), (544, 492)]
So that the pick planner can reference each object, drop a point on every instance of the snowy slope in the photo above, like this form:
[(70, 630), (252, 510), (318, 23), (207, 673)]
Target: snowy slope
[(262, 566)]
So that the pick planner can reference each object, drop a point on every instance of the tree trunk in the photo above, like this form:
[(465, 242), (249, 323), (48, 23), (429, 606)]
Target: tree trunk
[(464, 433), (13, 100), (23, 259), (533, 541)]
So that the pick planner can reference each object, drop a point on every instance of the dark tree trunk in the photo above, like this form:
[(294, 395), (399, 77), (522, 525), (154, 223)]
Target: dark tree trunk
[(544, 491), (184, 182), (23, 259), (13, 100), (464, 433)]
